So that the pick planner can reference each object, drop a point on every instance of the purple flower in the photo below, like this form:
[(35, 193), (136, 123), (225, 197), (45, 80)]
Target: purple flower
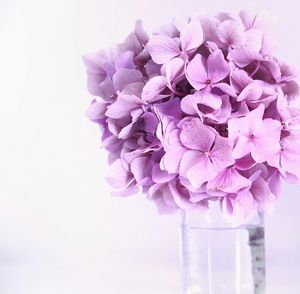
[(199, 111), (255, 135), (163, 48), (195, 151), (202, 73)]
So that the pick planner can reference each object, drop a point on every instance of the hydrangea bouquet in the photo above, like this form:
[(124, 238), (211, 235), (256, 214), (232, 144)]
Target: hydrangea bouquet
[(199, 111)]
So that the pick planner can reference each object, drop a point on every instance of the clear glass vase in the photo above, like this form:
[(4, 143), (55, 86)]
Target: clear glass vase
[(219, 258)]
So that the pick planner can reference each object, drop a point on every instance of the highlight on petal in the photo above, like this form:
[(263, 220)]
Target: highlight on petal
[(140, 33), (124, 76), (195, 135), (201, 172), (162, 48), (123, 106), (217, 67), (231, 33), (229, 180), (196, 72), (250, 92), (191, 36), (117, 176), (153, 88), (96, 110), (174, 69), (141, 170), (190, 104)]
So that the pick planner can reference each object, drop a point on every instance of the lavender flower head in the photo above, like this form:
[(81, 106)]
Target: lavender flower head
[(200, 111)]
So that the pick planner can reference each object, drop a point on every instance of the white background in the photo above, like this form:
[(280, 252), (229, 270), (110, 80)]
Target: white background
[(60, 231)]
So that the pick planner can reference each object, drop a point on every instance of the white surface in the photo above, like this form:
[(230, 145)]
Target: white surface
[(60, 232)]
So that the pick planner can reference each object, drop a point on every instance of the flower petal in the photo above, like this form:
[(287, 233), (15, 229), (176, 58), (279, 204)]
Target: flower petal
[(162, 48), (123, 106), (124, 76), (252, 92), (189, 159), (201, 172), (153, 88), (217, 67), (161, 176), (239, 79), (229, 180), (244, 56), (231, 33), (191, 36), (195, 135), (171, 160), (118, 177), (196, 72), (262, 195), (180, 196), (189, 104), (290, 158), (141, 169), (221, 154), (244, 207), (174, 69), (96, 110), (227, 89)]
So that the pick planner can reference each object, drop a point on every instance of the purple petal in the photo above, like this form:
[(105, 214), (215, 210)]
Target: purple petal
[(290, 157), (181, 197), (161, 194), (153, 88), (189, 159), (254, 40), (169, 108), (227, 89), (251, 92), (189, 104), (118, 177), (123, 77), (221, 154), (96, 110), (244, 208), (239, 79), (140, 33), (229, 180), (248, 18), (171, 160), (266, 141), (161, 176), (222, 114), (244, 56), (217, 67), (174, 68), (150, 122), (245, 162), (201, 172), (162, 48), (131, 189), (242, 148), (231, 33), (141, 169), (196, 72), (125, 60), (195, 135), (122, 107), (275, 183), (262, 195), (191, 36)]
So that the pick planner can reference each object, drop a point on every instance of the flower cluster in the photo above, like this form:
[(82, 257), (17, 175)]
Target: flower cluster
[(200, 111)]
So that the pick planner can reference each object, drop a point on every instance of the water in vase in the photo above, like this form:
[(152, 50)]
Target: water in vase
[(223, 260)]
